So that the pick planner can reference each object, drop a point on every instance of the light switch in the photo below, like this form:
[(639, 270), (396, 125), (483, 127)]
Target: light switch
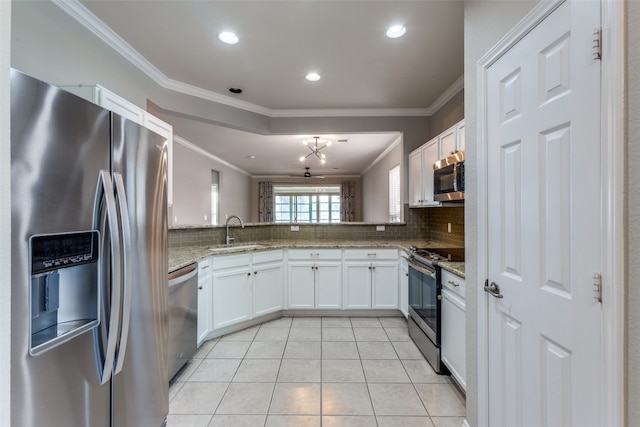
[(449, 227)]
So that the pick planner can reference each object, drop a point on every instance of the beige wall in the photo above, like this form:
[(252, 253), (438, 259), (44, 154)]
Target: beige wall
[(375, 187), (192, 189), (485, 23), (633, 213), (450, 114)]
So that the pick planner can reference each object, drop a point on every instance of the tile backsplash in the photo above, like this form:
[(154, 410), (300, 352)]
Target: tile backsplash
[(420, 224)]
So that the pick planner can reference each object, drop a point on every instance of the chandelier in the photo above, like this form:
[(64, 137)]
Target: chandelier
[(314, 148)]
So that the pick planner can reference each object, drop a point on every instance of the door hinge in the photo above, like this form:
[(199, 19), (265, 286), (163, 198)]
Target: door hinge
[(597, 43), (597, 287)]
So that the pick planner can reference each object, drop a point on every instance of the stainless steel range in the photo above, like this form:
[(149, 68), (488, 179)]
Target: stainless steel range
[(425, 299)]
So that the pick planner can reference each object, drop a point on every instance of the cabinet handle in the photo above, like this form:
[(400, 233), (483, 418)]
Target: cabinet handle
[(204, 267), (249, 274), (200, 287), (452, 283), (315, 255), (372, 255), (255, 272), (406, 274)]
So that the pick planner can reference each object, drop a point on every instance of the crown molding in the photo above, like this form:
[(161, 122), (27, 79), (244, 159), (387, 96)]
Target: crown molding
[(382, 155), (200, 150), (85, 17)]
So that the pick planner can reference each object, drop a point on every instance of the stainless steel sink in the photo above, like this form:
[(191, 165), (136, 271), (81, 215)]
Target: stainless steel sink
[(234, 248)]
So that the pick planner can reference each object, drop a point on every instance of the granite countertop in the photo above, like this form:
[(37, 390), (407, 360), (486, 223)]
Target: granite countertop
[(183, 256), (453, 267)]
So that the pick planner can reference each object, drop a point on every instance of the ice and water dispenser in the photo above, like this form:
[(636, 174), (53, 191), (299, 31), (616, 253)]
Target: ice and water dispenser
[(64, 287)]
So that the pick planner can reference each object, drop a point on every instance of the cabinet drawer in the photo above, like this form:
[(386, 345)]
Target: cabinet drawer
[(370, 254), (204, 268), (453, 282), (268, 256), (230, 261), (315, 254)]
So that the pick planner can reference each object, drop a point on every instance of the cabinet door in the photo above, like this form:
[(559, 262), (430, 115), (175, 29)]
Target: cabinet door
[(429, 157), (460, 136), (328, 283), (301, 285), (453, 336), (447, 142), (415, 178), (357, 277), (231, 297), (384, 280), (268, 280), (205, 300), (404, 288)]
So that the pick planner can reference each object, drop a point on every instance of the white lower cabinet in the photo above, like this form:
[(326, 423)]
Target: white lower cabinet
[(205, 301), (315, 284), (246, 286), (453, 327), (370, 280), (314, 278), (268, 283), (231, 294)]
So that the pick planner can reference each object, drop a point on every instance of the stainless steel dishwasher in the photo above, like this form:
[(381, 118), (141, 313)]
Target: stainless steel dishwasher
[(183, 316)]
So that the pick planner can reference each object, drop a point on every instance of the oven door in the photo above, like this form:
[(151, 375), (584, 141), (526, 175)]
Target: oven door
[(424, 300)]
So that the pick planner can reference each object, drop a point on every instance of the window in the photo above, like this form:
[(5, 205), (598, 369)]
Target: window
[(215, 196), (394, 194), (310, 204)]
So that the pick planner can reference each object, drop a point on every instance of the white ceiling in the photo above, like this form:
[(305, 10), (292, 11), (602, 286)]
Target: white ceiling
[(280, 42)]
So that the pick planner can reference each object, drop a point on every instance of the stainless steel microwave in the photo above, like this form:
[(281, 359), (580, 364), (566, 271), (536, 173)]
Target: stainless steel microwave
[(448, 178)]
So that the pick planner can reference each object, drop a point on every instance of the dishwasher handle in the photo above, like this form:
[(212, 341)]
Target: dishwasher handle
[(178, 277)]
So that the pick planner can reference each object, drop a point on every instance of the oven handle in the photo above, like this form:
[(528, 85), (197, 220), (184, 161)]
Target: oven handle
[(422, 269)]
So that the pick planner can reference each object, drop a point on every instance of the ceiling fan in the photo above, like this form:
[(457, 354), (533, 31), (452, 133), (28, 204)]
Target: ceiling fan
[(307, 174)]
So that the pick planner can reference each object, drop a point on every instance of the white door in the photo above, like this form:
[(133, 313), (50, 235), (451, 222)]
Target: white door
[(543, 171)]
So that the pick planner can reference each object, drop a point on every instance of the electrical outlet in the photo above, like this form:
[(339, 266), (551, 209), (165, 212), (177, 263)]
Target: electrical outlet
[(449, 227), (295, 228), (205, 217), (379, 227), (175, 218)]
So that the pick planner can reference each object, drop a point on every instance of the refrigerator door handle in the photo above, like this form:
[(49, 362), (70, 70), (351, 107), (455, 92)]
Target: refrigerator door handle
[(121, 198), (104, 191)]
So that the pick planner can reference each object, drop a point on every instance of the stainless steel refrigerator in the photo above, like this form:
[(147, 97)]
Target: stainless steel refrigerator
[(89, 263)]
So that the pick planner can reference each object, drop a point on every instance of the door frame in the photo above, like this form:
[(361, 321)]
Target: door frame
[(612, 189)]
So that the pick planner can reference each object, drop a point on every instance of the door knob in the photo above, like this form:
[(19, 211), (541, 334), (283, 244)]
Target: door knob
[(493, 289)]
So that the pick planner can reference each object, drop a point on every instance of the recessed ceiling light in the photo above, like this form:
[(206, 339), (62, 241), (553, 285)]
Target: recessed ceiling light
[(313, 77), (396, 31), (228, 37)]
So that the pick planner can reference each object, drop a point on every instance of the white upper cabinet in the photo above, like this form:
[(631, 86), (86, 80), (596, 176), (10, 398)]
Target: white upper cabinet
[(113, 102), (421, 174), (421, 162), (447, 141), (460, 136)]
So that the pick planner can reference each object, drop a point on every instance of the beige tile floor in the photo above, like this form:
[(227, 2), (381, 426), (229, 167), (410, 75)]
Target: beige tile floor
[(312, 371)]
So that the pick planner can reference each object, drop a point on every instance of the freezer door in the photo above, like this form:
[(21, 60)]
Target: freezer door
[(140, 389), (59, 143)]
